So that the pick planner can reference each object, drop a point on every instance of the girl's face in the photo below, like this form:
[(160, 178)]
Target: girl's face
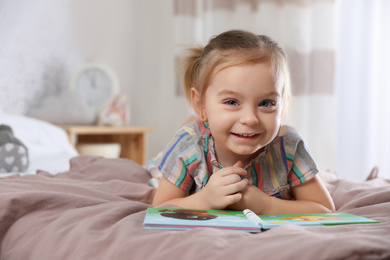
[(243, 107)]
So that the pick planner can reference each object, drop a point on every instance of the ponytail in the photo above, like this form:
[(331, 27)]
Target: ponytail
[(190, 69)]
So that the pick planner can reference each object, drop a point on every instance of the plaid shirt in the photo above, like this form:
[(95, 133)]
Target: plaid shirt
[(189, 160)]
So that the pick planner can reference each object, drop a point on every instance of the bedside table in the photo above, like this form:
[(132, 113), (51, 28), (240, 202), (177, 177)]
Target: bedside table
[(132, 139)]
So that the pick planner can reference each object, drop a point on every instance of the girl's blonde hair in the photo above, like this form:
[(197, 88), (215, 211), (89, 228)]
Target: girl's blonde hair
[(233, 48)]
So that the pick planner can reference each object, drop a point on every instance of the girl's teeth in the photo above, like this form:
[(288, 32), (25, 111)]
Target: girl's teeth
[(248, 135)]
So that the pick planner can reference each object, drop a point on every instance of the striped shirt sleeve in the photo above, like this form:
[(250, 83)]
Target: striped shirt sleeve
[(177, 161), (301, 164)]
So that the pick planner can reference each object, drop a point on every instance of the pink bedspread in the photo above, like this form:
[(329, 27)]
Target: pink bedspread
[(96, 211)]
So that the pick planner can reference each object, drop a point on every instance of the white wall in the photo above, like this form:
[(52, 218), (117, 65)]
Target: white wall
[(44, 42), (37, 52), (134, 38), (138, 45)]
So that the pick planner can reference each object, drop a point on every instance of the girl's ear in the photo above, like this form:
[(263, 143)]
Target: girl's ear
[(197, 104)]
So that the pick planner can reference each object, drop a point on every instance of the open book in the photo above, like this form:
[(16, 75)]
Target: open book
[(181, 219)]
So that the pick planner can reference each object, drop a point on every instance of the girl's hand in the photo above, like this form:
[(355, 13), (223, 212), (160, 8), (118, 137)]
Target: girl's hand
[(310, 197), (224, 187), (252, 198)]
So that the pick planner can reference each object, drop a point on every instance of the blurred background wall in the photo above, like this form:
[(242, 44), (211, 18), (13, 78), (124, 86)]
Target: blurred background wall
[(337, 53)]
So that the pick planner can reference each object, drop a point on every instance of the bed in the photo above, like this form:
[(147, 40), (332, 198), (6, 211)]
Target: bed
[(93, 208)]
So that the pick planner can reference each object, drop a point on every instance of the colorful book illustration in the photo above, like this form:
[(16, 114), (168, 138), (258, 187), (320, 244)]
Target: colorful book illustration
[(182, 219)]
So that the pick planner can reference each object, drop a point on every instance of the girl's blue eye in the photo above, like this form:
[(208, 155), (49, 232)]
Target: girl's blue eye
[(266, 103), (231, 102)]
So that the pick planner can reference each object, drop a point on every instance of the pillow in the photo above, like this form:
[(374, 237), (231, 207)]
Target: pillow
[(48, 145), (13, 153)]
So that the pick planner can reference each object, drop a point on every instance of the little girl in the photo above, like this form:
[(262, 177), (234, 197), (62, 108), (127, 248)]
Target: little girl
[(237, 155)]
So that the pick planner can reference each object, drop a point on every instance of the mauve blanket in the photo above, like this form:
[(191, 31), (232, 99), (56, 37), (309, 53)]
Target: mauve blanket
[(96, 211)]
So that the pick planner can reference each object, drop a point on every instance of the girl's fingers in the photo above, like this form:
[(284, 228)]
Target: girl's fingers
[(231, 170), (238, 164), (235, 187), (233, 198), (229, 179)]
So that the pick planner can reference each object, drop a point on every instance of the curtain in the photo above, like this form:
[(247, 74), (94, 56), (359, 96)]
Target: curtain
[(363, 87), (305, 29)]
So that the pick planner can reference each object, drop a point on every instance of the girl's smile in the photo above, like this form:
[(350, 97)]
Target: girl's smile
[(245, 137)]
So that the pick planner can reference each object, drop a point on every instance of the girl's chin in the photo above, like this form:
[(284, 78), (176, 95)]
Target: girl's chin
[(249, 152)]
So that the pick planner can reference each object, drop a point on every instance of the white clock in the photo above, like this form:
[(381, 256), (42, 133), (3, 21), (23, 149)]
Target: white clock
[(97, 83)]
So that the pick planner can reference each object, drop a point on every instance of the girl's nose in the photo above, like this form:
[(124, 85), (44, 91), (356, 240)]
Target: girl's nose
[(249, 117)]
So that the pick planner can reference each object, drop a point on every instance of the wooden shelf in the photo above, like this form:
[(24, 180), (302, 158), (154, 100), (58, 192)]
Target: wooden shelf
[(133, 139)]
